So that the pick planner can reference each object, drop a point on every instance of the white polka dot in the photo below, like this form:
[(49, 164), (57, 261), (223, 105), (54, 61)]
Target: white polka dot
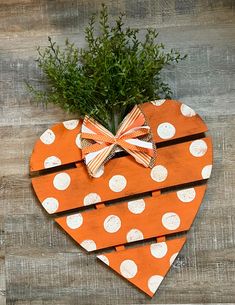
[(52, 162), (70, 125), (112, 224), (198, 148), (206, 171), (48, 137), (171, 221), (134, 235), (166, 130), (99, 172), (159, 173), (136, 206), (173, 257), (154, 282), (78, 141), (61, 181), (117, 183), (158, 250), (74, 221), (104, 259), (186, 195), (128, 269), (187, 111), (50, 204), (158, 102), (89, 245), (91, 199)]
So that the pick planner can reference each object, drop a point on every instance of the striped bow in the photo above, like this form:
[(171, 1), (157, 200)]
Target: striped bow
[(133, 135)]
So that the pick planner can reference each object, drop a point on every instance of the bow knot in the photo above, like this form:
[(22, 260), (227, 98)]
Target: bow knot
[(133, 135)]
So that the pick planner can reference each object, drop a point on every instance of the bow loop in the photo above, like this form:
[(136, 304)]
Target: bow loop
[(133, 135)]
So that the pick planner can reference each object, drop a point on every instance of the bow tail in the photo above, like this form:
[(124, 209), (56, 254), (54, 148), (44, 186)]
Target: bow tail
[(95, 159), (142, 157)]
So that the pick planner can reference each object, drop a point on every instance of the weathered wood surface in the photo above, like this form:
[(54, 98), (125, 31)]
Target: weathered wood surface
[(39, 264)]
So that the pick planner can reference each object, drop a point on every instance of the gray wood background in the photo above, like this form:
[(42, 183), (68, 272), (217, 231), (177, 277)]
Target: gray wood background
[(39, 264)]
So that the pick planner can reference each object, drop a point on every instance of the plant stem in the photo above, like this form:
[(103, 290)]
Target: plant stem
[(115, 121)]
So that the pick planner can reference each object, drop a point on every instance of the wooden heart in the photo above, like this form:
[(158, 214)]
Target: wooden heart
[(130, 202)]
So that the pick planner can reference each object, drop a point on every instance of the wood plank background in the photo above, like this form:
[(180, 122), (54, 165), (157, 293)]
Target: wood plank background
[(39, 264)]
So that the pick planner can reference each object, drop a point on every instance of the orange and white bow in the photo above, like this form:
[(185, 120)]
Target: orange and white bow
[(133, 135)]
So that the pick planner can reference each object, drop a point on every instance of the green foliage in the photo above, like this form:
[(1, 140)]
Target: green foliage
[(116, 71)]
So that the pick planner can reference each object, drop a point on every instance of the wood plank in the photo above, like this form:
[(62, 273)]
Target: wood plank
[(57, 146), (61, 143), (43, 266), (2, 262), (183, 118), (134, 220), (145, 266), (74, 188)]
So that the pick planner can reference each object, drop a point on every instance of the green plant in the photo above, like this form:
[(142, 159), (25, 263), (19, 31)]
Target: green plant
[(105, 80)]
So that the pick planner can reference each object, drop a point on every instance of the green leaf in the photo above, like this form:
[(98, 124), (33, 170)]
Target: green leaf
[(106, 79)]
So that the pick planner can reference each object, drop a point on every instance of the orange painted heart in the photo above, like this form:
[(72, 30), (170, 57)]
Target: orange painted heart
[(131, 202)]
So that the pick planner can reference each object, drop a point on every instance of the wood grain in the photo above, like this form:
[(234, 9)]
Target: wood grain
[(39, 264)]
